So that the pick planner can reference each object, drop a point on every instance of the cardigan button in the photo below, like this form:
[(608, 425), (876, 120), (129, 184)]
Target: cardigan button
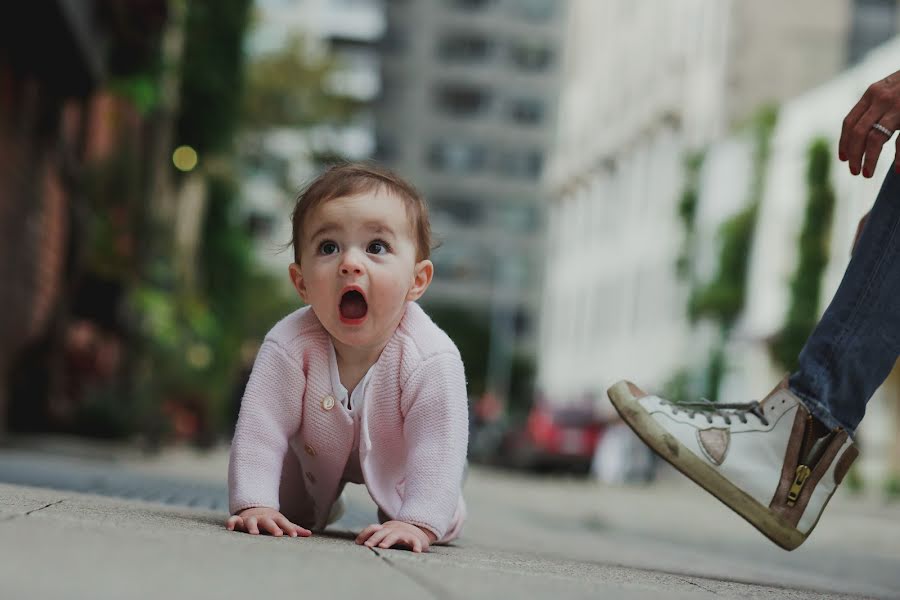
[(310, 450), (328, 402)]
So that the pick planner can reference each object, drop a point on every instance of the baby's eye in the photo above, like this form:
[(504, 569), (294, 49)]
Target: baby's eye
[(378, 247), (328, 247)]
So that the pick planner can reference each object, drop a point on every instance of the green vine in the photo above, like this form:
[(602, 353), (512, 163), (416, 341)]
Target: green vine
[(814, 243), (722, 299), (687, 211)]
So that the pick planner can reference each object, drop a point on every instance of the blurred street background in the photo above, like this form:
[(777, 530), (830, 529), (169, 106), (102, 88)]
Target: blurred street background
[(620, 189)]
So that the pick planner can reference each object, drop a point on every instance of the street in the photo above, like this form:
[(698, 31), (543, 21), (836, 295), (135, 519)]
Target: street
[(527, 537)]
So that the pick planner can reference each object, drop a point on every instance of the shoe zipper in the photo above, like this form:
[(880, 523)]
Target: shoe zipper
[(803, 471), (800, 476), (810, 452)]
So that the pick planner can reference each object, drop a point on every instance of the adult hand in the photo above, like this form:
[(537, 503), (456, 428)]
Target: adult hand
[(860, 143), (392, 533), (251, 520)]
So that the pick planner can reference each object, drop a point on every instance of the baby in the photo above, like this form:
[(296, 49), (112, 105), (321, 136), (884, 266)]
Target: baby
[(359, 386)]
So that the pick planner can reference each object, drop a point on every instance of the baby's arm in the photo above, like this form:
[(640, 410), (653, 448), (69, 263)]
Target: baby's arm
[(270, 414), (436, 431)]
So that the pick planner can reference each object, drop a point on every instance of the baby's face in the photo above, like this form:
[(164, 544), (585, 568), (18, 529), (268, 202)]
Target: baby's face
[(358, 267)]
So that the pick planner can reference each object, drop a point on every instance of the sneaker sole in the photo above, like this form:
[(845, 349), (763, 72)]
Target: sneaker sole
[(770, 524)]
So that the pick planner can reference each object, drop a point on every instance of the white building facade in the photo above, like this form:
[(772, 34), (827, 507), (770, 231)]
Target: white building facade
[(645, 85)]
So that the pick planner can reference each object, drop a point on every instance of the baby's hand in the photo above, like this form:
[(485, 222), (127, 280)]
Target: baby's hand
[(394, 533), (251, 520)]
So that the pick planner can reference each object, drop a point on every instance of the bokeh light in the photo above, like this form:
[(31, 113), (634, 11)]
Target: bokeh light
[(184, 158)]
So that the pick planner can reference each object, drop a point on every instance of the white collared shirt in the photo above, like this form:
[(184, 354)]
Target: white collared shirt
[(352, 402)]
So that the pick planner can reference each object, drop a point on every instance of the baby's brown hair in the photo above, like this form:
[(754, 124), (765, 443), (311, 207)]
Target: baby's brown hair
[(349, 179)]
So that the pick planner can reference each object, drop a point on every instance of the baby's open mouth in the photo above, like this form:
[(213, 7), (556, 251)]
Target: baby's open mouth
[(353, 306)]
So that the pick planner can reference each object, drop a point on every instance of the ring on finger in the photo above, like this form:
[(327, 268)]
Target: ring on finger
[(882, 129)]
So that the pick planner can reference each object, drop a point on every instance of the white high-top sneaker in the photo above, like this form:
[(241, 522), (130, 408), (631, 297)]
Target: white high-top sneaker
[(760, 458)]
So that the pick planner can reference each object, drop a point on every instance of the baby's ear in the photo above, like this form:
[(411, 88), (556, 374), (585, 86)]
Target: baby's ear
[(298, 281), (423, 274)]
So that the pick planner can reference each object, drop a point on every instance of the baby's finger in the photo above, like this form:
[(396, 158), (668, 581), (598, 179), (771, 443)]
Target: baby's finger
[(417, 545), (269, 525), (292, 529), (250, 523), (391, 539), (367, 533), (233, 522), (376, 537)]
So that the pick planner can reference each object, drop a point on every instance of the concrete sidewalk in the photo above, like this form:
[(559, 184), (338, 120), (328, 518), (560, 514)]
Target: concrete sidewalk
[(56, 545), (526, 538)]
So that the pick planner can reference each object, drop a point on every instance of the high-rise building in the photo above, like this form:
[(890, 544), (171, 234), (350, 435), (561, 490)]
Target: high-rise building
[(467, 113), (347, 33)]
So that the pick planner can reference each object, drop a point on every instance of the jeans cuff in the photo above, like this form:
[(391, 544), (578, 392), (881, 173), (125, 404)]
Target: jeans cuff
[(821, 412)]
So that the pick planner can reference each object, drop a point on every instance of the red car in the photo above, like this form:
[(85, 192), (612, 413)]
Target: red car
[(562, 438)]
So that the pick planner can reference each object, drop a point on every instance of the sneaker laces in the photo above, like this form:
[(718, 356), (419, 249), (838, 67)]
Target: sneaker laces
[(711, 409)]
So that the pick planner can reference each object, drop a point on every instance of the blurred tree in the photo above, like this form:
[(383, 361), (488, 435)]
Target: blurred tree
[(289, 87), (212, 74), (814, 247)]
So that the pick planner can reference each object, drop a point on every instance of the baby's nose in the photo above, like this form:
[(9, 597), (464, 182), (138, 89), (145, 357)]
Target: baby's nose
[(351, 265)]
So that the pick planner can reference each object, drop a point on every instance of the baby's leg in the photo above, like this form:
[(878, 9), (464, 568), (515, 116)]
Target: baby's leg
[(296, 503)]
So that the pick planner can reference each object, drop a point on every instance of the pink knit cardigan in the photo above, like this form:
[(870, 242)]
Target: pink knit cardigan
[(413, 426)]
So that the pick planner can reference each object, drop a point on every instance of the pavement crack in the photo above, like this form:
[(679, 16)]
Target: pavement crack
[(34, 510), (45, 506), (697, 585), (434, 590)]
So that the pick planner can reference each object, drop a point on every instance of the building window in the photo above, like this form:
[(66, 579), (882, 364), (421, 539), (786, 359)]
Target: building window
[(386, 147), (470, 4), (465, 48), (531, 56), (874, 22), (518, 217), (526, 111), (395, 39), (462, 100), (456, 156), (519, 163), (534, 10), (458, 210)]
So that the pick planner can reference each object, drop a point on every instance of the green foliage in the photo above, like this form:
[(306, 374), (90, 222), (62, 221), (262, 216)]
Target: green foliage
[(289, 88), (715, 372), (112, 195), (142, 89), (722, 299), (687, 210), (815, 237), (212, 74)]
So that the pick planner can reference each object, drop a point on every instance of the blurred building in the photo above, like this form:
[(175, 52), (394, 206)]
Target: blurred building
[(816, 114), (467, 113), (646, 84), (54, 56), (279, 161)]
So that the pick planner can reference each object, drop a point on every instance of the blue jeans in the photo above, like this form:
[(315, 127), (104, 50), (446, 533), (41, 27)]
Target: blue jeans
[(853, 348)]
